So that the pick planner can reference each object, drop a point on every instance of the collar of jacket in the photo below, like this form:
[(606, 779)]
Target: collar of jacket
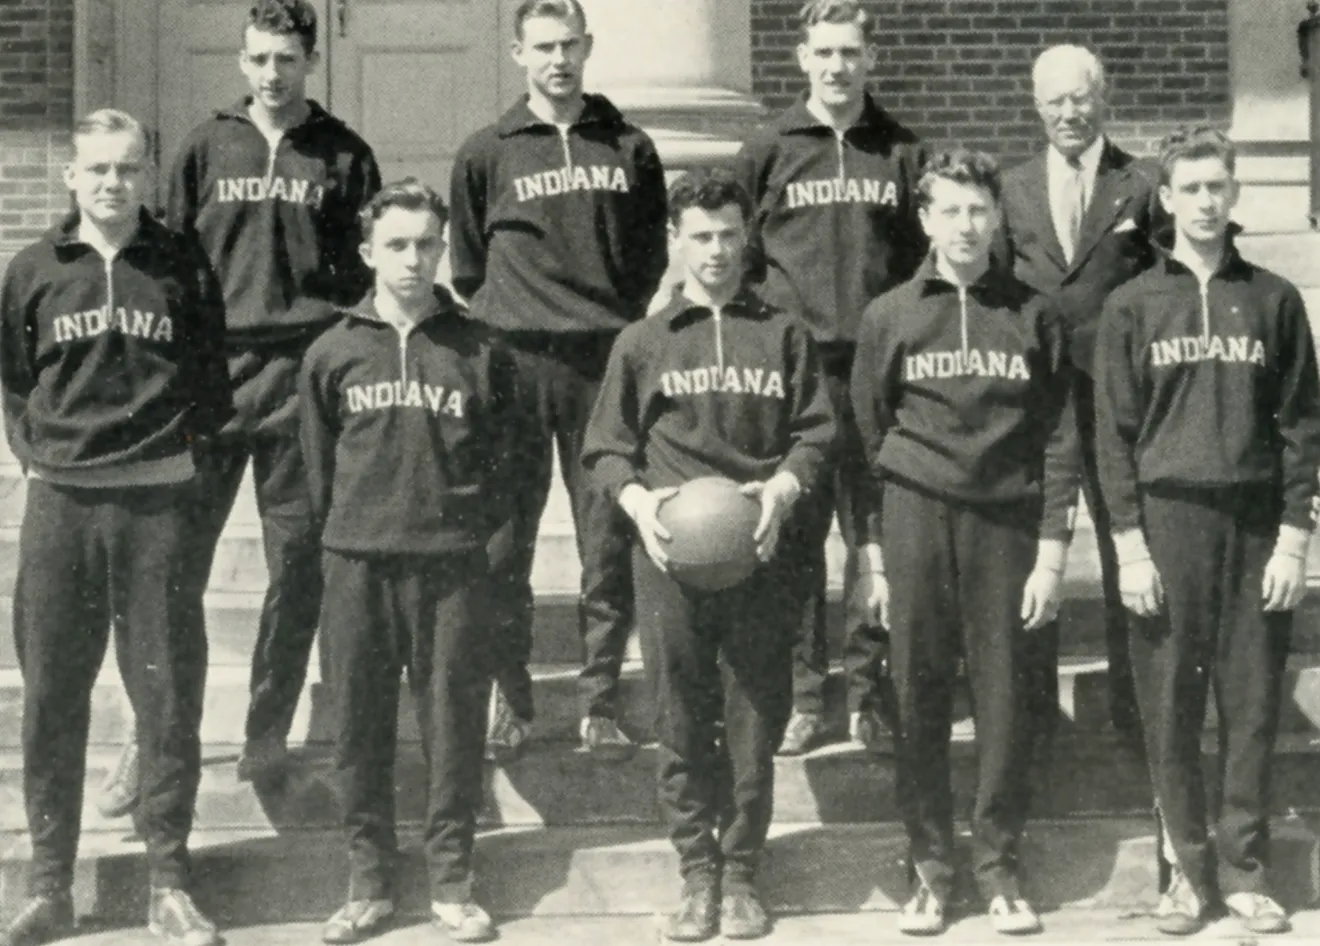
[(149, 232), (1232, 263), (239, 112), (996, 279), (596, 110), (442, 303), (798, 118), (681, 310)]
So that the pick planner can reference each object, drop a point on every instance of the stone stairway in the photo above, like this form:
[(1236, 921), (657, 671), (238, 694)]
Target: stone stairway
[(565, 837)]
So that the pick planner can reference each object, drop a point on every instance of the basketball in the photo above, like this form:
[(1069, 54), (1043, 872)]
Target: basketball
[(711, 526)]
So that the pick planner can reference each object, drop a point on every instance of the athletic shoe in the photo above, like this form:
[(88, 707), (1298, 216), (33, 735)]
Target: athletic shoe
[(604, 740), (1013, 916), (506, 733), (805, 732), (923, 914), (697, 918), (462, 922), (118, 794), (1259, 912), (1180, 912), (41, 919), (263, 760), (867, 729), (742, 915), (175, 918), (358, 920)]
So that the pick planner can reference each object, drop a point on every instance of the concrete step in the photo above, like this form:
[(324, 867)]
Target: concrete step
[(244, 878), (556, 785), (1066, 926)]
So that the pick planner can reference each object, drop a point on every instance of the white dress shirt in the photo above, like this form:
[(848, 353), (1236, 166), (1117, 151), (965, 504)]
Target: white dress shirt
[(1060, 172)]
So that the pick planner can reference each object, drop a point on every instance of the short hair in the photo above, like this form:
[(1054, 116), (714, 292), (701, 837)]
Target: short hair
[(962, 166), (109, 121), (833, 11), (708, 189), (555, 9), (1193, 143), (1067, 54), (410, 194), (284, 18)]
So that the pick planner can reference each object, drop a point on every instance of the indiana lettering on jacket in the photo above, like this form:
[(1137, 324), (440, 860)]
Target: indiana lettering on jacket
[(93, 322), (966, 364), (400, 394), (565, 180), (255, 190), (713, 379), (1190, 349), (838, 190)]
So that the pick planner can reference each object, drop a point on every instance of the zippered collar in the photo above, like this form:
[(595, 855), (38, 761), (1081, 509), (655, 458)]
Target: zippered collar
[(150, 233), (798, 118), (365, 311), (596, 110), (682, 311), (996, 279), (1230, 266), (316, 115)]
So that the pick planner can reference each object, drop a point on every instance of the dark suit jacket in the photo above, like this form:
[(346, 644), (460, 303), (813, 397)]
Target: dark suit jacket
[(1116, 240)]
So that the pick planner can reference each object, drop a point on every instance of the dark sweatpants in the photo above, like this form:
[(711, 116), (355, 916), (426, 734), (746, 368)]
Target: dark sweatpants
[(866, 646), (1211, 548), (265, 431), (956, 575), (557, 379), (720, 667), (90, 558), (423, 615)]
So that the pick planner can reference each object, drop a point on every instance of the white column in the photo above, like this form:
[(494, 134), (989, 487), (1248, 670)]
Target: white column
[(1269, 93), (682, 69)]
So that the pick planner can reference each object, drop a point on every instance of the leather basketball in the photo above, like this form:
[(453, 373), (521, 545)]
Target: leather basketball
[(711, 526)]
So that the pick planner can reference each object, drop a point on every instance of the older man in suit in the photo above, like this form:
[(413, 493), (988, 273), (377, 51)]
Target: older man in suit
[(1079, 220)]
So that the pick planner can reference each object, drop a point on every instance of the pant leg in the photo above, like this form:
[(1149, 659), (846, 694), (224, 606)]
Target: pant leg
[(61, 625), (444, 603), (604, 535), (996, 549), (1172, 659), (1249, 671), (514, 547), (756, 626), (811, 665), (681, 668), (1122, 692), (287, 628), (209, 504), (163, 665), (924, 614), (363, 637)]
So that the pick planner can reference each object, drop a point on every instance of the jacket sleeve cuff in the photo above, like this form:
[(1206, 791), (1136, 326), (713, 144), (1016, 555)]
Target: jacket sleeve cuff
[(1292, 542), (612, 474), (1131, 547), (804, 467)]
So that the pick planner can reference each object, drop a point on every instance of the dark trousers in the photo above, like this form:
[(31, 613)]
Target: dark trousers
[(1211, 548), (90, 559), (956, 576), (1122, 692), (866, 645), (423, 615), (720, 667), (557, 381), (266, 433)]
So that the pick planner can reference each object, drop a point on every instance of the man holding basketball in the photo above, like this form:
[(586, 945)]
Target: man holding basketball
[(718, 383)]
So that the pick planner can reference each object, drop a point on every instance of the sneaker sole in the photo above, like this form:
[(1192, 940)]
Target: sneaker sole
[(361, 934), (155, 930), (121, 810), (457, 936)]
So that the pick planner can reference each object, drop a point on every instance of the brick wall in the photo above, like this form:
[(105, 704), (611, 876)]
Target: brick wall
[(36, 111), (960, 70)]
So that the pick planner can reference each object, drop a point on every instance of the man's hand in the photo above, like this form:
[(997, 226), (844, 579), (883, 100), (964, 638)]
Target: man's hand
[(642, 506), (1141, 588), (873, 590), (1040, 597), (1285, 582), (777, 494)]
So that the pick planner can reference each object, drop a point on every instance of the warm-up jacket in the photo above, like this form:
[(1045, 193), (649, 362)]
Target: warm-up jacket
[(406, 436), (1210, 387), (556, 232), (836, 214), (111, 369), (966, 394), (280, 226), (688, 394)]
